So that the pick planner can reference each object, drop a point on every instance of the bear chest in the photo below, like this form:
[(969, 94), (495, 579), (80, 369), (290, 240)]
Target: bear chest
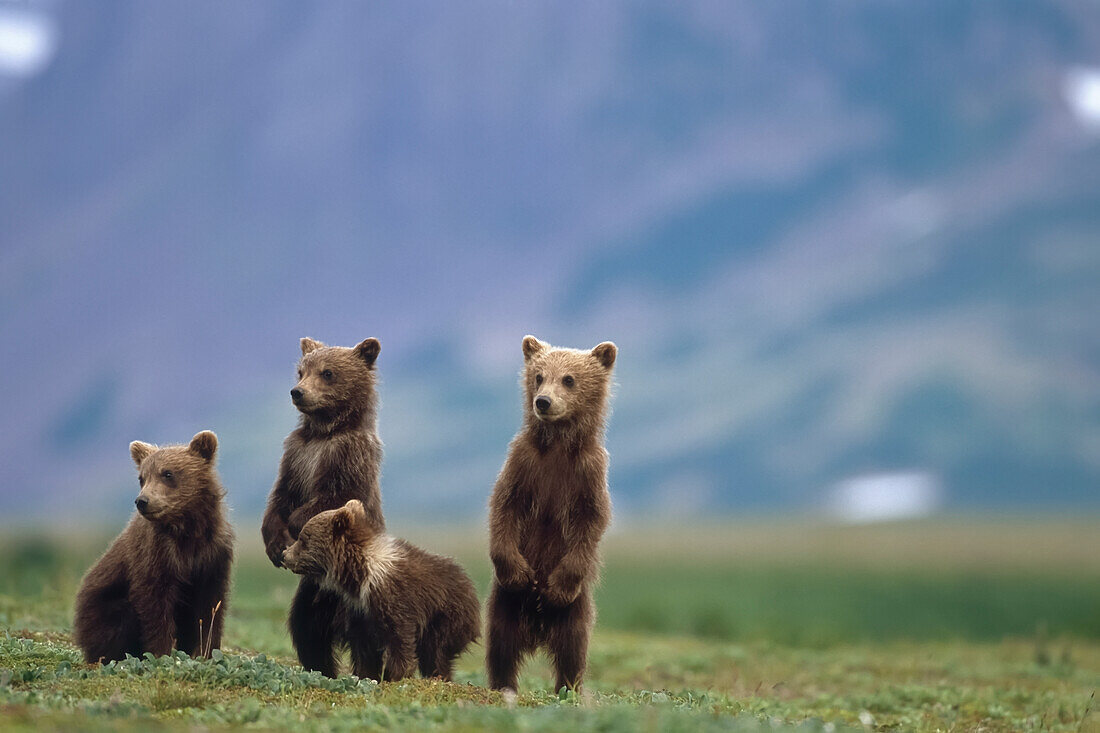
[(551, 519), (307, 462)]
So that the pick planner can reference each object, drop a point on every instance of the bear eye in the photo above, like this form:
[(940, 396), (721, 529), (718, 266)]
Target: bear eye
[(567, 380), (538, 379), (300, 373), (167, 475), (328, 375)]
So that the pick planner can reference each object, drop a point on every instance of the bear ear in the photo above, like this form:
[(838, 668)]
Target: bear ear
[(355, 508), (204, 444), (309, 345), (140, 451), (532, 346), (344, 521), (605, 353), (368, 350)]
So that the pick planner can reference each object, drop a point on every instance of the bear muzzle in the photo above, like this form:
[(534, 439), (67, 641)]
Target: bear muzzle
[(547, 408), (149, 507), (290, 558), (304, 401)]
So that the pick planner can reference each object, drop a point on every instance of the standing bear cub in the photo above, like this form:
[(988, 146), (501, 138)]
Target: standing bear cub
[(548, 511), (164, 581), (333, 456), (418, 608)]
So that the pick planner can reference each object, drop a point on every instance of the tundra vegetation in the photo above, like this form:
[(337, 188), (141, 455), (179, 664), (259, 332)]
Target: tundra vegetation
[(953, 625)]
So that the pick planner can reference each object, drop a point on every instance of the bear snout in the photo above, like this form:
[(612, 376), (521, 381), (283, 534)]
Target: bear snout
[(289, 558), (542, 404), (296, 395), (149, 507)]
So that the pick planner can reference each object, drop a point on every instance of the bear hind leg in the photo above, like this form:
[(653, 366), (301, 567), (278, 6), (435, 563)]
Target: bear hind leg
[(314, 614), (107, 627), (567, 642), (429, 652), (443, 640), (366, 661), (187, 628), (508, 639)]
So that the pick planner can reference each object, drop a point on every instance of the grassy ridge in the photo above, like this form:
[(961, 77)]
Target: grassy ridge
[(692, 635)]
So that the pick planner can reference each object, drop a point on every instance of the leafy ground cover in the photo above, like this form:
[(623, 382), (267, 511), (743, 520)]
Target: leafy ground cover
[(689, 639)]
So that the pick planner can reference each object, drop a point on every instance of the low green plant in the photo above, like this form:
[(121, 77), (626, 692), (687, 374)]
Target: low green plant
[(679, 645)]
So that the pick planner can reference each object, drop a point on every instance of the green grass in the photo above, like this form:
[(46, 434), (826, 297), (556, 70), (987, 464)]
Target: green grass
[(724, 628), (820, 606)]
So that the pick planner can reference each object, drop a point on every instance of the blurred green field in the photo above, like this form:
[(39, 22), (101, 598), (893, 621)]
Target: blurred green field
[(920, 626)]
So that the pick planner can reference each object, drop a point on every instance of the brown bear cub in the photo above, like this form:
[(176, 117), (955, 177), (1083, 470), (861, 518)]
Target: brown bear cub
[(333, 456), (417, 608), (164, 581), (549, 509)]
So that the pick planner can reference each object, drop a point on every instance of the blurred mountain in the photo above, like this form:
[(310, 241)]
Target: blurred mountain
[(830, 240)]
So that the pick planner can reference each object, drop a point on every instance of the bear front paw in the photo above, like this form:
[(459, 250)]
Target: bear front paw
[(561, 589), (514, 576), (276, 547)]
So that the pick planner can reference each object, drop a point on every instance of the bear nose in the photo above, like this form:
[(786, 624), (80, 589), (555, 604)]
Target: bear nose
[(542, 403), (141, 503), (295, 394)]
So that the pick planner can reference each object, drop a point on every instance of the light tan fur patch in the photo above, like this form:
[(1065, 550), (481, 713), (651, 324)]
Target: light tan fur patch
[(381, 555), (306, 460)]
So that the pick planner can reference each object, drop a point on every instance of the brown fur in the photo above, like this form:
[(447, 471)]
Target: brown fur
[(548, 511), (334, 455), (169, 568), (415, 608)]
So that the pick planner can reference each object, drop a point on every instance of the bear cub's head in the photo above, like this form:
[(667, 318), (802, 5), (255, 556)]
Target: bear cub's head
[(330, 542), (566, 385), (335, 383), (177, 479)]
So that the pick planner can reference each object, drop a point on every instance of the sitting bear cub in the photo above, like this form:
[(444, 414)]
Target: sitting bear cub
[(414, 607), (164, 581)]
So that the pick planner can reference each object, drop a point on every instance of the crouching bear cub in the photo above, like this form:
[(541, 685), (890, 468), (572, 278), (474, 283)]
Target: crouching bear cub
[(549, 509), (164, 581), (415, 608)]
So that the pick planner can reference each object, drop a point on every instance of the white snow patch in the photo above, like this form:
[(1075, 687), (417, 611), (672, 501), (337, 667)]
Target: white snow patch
[(885, 496)]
